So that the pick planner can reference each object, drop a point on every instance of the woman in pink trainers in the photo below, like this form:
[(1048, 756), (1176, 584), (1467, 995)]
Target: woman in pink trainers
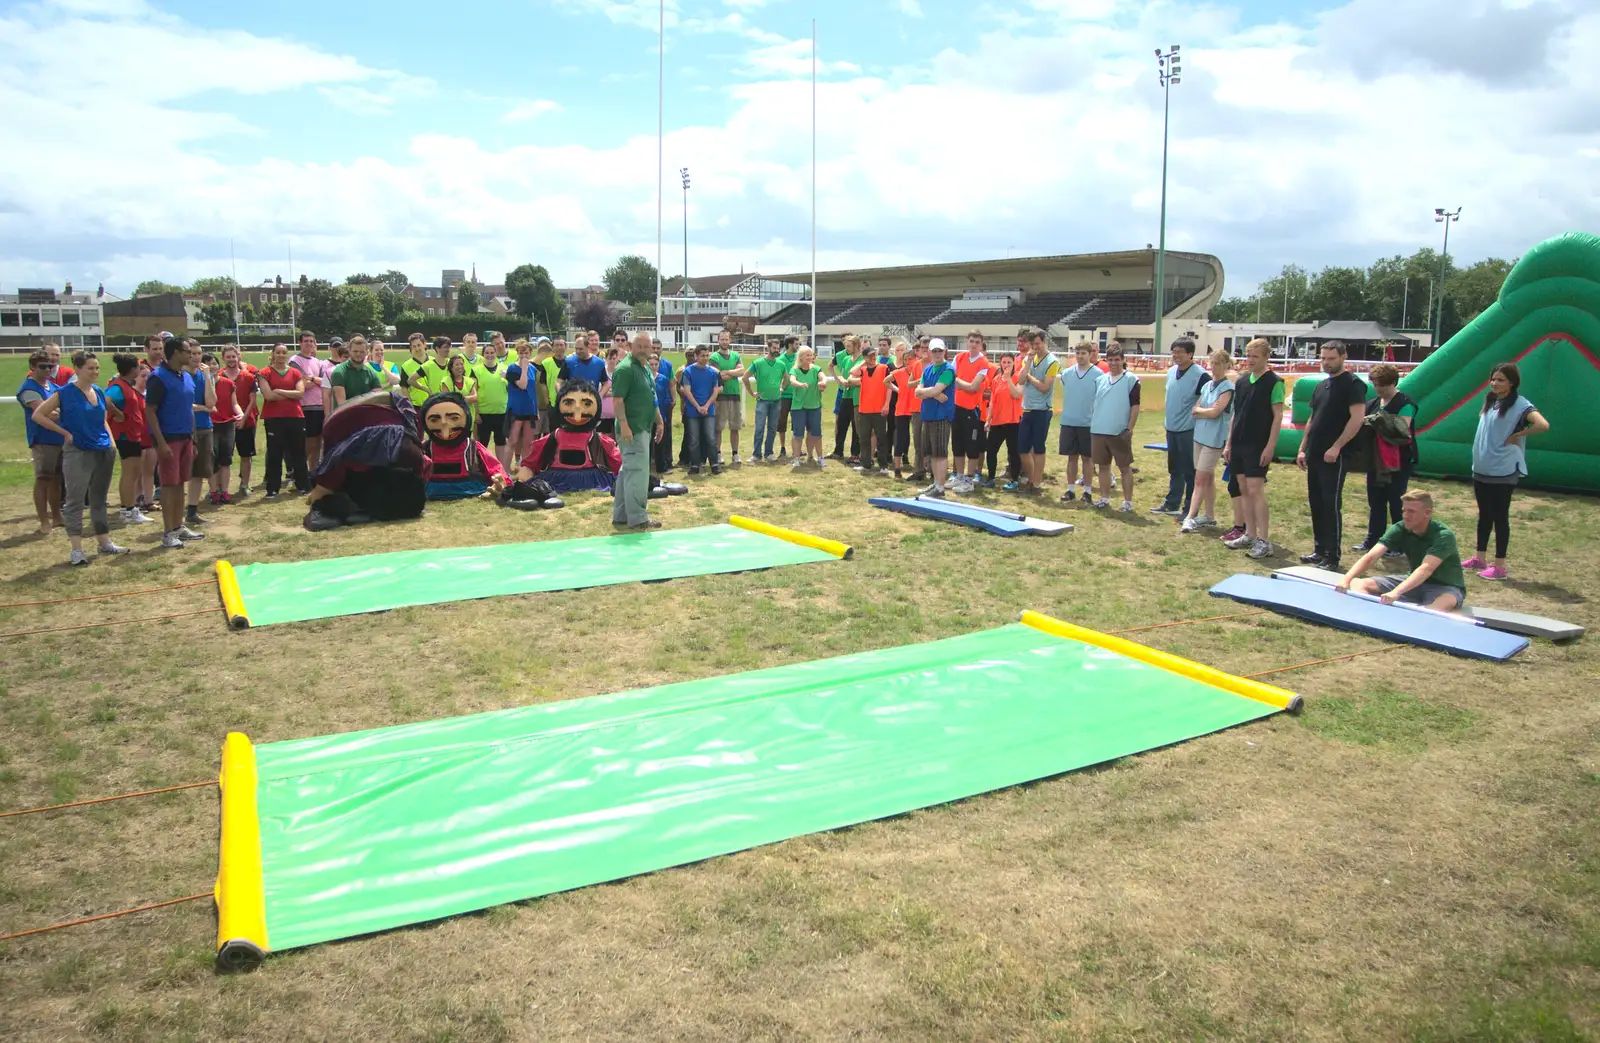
[(1498, 461)]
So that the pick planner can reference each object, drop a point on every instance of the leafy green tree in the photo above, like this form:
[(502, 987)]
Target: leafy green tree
[(247, 313), (359, 279), (631, 280), (1229, 309), (467, 298), (597, 316), (1284, 296), (218, 317), (340, 310), (216, 284), (396, 280), (390, 302), (1339, 294), (531, 287), (1476, 287), (150, 286)]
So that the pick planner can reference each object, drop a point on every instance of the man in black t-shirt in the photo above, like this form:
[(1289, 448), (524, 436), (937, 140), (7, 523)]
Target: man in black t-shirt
[(1338, 406)]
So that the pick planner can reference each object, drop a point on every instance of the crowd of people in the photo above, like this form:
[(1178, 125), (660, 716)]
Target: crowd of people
[(178, 415)]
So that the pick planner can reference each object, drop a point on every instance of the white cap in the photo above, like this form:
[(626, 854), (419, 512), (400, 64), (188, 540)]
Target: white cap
[(936, 344)]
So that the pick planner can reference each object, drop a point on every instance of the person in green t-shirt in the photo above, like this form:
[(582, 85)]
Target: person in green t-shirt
[(764, 378), (493, 395), (808, 381), (844, 400), (411, 370), (791, 347), (730, 400), (1436, 580), (353, 378), (639, 424)]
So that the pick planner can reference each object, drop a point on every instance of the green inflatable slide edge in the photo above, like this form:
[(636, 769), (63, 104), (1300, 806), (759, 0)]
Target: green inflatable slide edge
[(1547, 321)]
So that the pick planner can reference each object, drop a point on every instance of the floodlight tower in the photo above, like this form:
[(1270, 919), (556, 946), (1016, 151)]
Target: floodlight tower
[(1167, 68), (1446, 218)]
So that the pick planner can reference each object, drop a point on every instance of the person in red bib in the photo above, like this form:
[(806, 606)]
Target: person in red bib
[(135, 450)]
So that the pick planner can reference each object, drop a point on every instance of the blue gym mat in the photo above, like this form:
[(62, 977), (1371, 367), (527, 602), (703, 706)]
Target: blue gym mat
[(989, 521), (1156, 445), (1319, 604)]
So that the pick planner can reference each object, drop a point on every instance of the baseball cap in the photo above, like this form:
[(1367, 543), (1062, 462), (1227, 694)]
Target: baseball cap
[(936, 344), (540, 340), (336, 342), (165, 335)]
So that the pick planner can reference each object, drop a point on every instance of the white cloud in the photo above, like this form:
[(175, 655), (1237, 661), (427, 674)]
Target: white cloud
[(1044, 138), (909, 8), (530, 110)]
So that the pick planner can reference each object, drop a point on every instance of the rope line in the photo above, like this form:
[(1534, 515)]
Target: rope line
[(108, 623), (107, 800), (105, 916), (119, 594), (1320, 662)]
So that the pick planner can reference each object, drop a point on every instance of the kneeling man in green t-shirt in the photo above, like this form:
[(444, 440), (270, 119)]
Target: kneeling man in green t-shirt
[(1436, 579)]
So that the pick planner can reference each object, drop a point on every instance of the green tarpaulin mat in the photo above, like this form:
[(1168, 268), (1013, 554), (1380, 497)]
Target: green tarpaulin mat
[(348, 834), (294, 591)]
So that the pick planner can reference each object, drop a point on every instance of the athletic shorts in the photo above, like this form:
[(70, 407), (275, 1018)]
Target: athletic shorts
[(492, 425), (203, 443), (1246, 462), (1206, 458), (522, 418), (806, 422), (1113, 449), (1423, 593), (179, 464), (966, 433), (244, 441), (1075, 441), (902, 436), (785, 405), (128, 449), (314, 417), (730, 413), (1033, 431), (936, 438), (46, 460), (223, 438)]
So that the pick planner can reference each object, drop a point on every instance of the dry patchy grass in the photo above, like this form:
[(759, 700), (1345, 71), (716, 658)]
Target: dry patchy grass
[(1415, 858)]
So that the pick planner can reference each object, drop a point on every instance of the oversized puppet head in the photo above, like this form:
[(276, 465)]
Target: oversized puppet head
[(446, 420), (578, 402)]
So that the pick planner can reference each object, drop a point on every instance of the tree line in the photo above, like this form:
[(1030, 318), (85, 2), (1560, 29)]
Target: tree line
[(1400, 292), (367, 304)]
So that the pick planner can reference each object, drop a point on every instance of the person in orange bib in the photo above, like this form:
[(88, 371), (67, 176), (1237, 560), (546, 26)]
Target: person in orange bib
[(1005, 416)]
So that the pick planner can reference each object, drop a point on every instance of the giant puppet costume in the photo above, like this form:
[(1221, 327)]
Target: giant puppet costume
[(373, 467), (462, 466), (575, 457)]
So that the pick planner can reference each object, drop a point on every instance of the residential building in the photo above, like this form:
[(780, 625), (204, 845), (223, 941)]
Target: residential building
[(154, 313), (576, 297), (269, 292), (31, 317)]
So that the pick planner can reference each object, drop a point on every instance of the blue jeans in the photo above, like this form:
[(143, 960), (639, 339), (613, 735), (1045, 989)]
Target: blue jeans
[(1180, 470), (766, 426), (700, 435)]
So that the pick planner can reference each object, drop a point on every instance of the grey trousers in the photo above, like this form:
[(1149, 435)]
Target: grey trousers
[(631, 501), (88, 473)]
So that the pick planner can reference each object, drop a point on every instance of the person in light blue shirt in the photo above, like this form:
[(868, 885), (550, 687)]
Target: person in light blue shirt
[(1499, 460), (1079, 385), (1116, 414), (1184, 381), (1213, 414), (699, 384)]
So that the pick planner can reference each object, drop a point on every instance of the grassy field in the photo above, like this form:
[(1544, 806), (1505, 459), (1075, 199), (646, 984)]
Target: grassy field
[(1416, 857)]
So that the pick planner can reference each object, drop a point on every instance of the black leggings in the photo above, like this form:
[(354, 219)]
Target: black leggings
[(286, 448), (1006, 435), (1494, 512)]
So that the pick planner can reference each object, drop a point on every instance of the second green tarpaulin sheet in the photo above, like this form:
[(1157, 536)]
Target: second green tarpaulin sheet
[(293, 591), (373, 830)]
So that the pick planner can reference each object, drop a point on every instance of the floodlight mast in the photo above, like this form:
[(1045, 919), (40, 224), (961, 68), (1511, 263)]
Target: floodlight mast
[(1446, 218), (1168, 69)]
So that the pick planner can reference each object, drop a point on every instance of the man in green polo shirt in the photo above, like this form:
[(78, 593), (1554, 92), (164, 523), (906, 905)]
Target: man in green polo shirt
[(1436, 579), (353, 378), (730, 401), (841, 368), (765, 381), (493, 394), (633, 393)]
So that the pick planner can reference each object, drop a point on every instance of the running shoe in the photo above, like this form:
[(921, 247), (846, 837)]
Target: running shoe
[(1260, 549), (1126, 508), (1232, 534), (186, 534), (933, 491), (1362, 547), (1205, 521), (1189, 525), (112, 550), (1012, 487), (794, 465), (822, 464), (1066, 497), (171, 541), (1240, 542), (1102, 502), (1494, 572), (1475, 562), (77, 558)]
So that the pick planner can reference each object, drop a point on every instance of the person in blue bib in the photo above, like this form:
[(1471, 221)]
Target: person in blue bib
[(1184, 383), (1079, 385), (937, 393), (1499, 460), (44, 444), (76, 413), (1116, 414)]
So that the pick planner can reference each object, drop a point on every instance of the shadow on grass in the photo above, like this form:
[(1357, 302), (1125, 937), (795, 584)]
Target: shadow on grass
[(1549, 591)]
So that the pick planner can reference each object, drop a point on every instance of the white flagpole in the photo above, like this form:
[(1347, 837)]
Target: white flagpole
[(661, 96), (813, 184)]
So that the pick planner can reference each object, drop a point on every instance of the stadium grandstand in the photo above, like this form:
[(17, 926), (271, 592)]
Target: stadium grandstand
[(1099, 297)]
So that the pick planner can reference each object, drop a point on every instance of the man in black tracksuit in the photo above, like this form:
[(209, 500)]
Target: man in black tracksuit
[(1338, 406)]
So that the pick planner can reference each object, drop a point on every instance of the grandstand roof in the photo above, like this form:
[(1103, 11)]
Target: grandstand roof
[(996, 268)]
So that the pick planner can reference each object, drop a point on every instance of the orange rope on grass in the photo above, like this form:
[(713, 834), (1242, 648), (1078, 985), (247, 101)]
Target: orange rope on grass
[(1320, 662), (109, 623), (107, 800), (119, 594), (105, 916)]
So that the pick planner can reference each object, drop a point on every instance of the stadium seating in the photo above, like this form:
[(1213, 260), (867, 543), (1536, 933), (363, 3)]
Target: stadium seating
[(1080, 310)]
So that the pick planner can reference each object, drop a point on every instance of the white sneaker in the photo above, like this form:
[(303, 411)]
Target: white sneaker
[(736, 459), (934, 491), (794, 465), (1189, 525), (1240, 542), (1126, 508), (77, 558), (1261, 549), (184, 533), (134, 516), (1205, 521), (112, 549), (822, 464), (171, 541), (1102, 502)]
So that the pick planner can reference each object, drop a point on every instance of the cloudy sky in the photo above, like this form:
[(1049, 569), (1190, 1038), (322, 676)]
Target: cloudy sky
[(139, 138)]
